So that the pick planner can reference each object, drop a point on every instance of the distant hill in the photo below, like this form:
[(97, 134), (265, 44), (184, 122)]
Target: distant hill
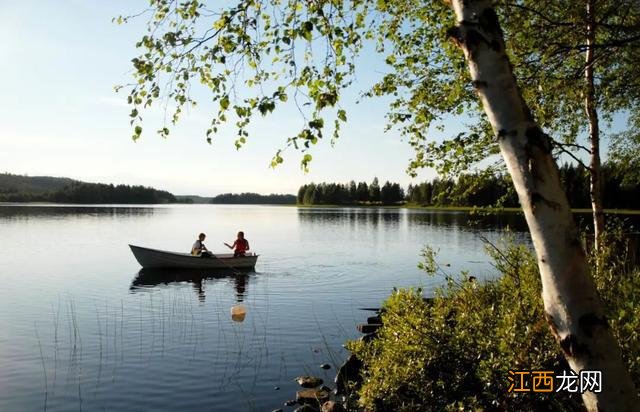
[(17, 188), (254, 199), (10, 183), (193, 199)]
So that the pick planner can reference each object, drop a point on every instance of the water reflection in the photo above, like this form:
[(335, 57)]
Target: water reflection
[(25, 212), (238, 313), (371, 217), (149, 278), (390, 218), (73, 333)]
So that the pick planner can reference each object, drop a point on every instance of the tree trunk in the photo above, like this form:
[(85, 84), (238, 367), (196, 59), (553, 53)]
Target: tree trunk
[(594, 130), (572, 306)]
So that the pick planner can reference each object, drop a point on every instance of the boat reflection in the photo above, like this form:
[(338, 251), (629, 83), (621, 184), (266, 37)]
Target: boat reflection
[(149, 278)]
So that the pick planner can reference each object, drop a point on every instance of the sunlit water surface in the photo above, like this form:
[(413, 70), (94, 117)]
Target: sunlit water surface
[(80, 329)]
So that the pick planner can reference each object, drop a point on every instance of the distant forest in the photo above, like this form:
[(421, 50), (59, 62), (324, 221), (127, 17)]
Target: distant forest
[(478, 189), (620, 191), (15, 188), (103, 193), (254, 199), (351, 193)]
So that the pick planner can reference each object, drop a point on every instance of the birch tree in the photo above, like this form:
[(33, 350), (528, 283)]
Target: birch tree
[(575, 65), (571, 303), (254, 56)]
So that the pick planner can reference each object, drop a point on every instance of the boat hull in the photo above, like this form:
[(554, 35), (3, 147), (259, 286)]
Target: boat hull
[(153, 258)]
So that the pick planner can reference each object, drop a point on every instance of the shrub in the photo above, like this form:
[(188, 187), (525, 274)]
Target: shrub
[(618, 283), (454, 352)]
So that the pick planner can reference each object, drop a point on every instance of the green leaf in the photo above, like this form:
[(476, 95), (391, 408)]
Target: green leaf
[(137, 131), (224, 103)]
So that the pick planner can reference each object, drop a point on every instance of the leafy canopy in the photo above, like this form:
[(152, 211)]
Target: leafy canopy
[(547, 40), (625, 153), (255, 55)]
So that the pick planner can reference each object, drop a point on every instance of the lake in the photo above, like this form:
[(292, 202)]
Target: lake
[(83, 330)]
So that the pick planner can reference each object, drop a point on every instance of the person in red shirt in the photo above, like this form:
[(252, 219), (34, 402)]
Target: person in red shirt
[(241, 245)]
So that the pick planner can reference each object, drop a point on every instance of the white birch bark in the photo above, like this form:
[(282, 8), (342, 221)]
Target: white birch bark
[(572, 306), (595, 189)]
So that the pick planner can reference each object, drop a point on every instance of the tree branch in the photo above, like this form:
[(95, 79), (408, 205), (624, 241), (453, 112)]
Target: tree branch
[(574, 157), (540, 14), (577, 146)]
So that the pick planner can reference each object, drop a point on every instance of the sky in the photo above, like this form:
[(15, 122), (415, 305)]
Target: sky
[(60, 115)]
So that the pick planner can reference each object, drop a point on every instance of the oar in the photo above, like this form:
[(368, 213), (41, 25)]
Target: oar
[(235, 271)]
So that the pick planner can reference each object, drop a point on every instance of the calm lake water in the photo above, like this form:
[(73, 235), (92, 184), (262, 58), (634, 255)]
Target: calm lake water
[(82, 329)]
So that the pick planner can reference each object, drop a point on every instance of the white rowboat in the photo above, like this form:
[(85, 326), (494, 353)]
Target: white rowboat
[(153, 258)]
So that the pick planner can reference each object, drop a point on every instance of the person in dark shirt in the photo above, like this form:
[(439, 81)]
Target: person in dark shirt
[(198, 248)]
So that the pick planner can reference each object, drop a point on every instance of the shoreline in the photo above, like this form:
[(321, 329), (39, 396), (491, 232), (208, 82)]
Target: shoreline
[(460, 208), (409, 206)]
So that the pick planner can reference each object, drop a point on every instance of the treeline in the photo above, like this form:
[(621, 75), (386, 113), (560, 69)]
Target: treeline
[(478, 189), (93, 193), (619, 190), (351, 193), (254, 199)]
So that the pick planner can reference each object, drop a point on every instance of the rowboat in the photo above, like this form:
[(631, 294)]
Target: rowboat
[(154, 258)]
